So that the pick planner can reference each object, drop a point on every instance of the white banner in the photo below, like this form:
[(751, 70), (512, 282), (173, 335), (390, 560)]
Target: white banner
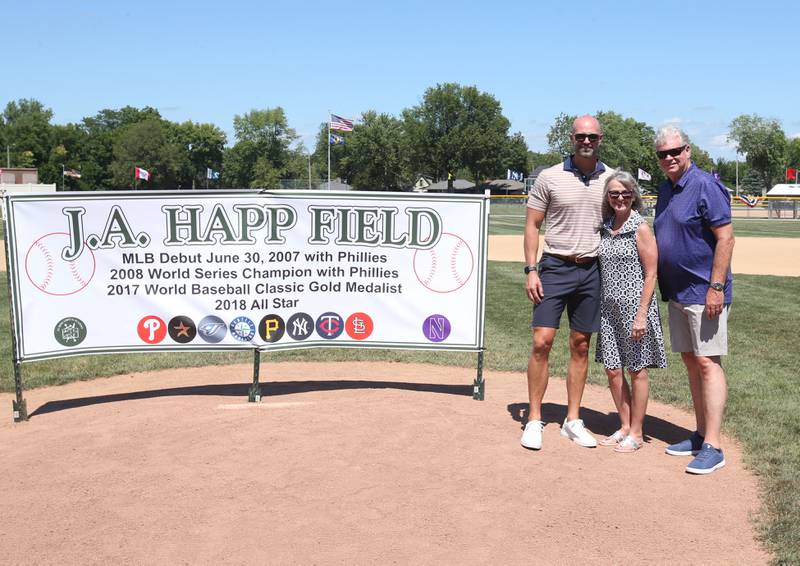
[(121, 271)]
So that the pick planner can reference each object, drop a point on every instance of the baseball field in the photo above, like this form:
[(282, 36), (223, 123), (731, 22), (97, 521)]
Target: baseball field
[(361, 457)]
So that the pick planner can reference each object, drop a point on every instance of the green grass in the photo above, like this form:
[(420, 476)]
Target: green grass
[(764, 397), (508, 218)]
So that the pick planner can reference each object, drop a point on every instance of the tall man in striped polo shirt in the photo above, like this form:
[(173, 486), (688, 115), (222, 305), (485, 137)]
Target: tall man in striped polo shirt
[(568, 198)]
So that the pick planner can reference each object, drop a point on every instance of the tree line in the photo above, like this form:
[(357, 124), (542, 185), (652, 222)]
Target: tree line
[(455, 131)]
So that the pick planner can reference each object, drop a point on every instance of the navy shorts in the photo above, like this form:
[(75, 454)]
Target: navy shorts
[(571, 285)]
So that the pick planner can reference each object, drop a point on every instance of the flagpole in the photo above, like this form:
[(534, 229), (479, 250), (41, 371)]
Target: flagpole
[(63, 180), (329, 150)]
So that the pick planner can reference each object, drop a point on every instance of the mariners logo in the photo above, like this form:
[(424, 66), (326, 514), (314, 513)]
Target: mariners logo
[(300, 326), (212, 329), (70, 331), (330, 325), (243, 329), (271, 328)]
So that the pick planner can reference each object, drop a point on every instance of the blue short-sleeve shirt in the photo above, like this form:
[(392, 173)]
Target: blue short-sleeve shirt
[(685, 213)]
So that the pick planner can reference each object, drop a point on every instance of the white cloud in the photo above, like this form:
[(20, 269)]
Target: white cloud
[(721, 141), (794, 136)]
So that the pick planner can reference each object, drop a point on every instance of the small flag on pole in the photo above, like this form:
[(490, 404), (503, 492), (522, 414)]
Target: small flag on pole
[(513, 175), (341, 124), (74, 173), (335, 139), (644, 175), (211, 174), (142, 174), (791, 174)]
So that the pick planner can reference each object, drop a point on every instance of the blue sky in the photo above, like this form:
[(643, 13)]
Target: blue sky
[(699, 63)]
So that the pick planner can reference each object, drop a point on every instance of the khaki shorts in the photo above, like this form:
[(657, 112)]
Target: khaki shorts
[(690, 330)]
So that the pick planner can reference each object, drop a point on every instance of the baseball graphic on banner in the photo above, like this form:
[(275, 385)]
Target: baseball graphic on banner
[(53, 275), (447, 266)]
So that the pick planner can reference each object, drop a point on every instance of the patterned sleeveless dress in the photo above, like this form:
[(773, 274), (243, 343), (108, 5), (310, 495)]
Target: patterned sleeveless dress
[(622, 277)]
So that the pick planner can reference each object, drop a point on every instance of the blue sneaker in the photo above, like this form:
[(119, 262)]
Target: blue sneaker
[(708, 460), (689, 447)]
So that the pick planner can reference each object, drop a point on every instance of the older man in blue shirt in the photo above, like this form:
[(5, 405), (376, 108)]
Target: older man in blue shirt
[(695, 244)]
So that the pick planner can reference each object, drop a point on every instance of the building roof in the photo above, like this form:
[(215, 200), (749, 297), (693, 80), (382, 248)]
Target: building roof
[(784, 190), (458, 185)]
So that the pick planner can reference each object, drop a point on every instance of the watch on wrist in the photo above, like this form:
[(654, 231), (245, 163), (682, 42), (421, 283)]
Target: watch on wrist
[(529, 268), (717, 286)]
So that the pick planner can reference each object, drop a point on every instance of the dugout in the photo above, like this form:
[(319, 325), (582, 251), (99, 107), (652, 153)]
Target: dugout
[(783, 201)]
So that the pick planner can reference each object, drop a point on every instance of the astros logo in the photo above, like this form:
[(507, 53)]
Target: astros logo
[(151, 329)]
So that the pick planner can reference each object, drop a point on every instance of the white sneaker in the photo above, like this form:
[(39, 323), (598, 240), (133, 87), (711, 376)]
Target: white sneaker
[(532, 435), (577, 433)]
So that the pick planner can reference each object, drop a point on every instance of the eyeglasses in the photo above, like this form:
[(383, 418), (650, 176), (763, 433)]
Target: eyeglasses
[(620, 194), (582, 137), (674, 152)]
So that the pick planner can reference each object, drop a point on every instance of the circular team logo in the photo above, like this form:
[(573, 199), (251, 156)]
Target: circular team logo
[(151, 329), (436, 328), (358, 326), (243, 329), (447, 266), (329, 325), (271, 328), (53, 275), (212, 329), (70, 331), (182, 329), (300, 326)]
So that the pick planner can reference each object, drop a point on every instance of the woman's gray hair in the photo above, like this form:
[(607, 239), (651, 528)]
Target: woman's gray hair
[(665, 132), (627, 181)]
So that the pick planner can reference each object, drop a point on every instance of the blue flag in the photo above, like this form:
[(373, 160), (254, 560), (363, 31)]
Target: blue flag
[(211, 174), (335, 139)]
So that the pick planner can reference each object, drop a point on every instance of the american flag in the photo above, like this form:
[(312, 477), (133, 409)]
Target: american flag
[(341, 124), (748, 200)]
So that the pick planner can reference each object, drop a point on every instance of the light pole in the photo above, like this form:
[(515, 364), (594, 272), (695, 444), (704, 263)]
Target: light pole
[(309, 170)]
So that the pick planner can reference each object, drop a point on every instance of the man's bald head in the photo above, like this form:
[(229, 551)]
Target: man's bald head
[(586, 137), (587, 124)]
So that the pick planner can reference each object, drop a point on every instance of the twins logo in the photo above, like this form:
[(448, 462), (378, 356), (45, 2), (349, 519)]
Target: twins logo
[(330, 325), (447, 266), (53, 275)]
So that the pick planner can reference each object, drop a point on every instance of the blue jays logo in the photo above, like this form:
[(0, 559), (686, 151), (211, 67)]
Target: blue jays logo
[(212, 329)]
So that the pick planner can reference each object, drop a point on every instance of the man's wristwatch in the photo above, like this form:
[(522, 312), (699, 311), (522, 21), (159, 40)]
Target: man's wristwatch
[(717, 286), (529, 268)]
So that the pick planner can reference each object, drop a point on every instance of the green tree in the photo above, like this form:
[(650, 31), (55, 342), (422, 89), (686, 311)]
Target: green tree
[(146, 144), (201, 147), (764, 142), (793, 153), (628, 144), (94, 149), (558, 137), (752, 183), (456, 127), (26, 133), (546, 159), (375, 157), (262, 153)]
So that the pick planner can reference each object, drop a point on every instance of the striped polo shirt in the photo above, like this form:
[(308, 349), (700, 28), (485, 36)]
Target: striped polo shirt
[(572, 206)]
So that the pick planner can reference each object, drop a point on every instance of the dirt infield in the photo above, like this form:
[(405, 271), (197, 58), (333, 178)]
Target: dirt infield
[(754, 256), (350, 463)]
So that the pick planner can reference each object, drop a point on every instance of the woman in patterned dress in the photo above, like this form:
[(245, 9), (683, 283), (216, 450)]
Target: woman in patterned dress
[(630, 328)]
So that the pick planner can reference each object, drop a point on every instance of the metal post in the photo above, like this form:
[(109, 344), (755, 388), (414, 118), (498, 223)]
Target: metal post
[(18, 404), (479, 385), (254, 396)]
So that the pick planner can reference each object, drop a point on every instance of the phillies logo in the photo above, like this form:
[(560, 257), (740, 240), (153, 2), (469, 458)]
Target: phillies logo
[(151, 329)]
